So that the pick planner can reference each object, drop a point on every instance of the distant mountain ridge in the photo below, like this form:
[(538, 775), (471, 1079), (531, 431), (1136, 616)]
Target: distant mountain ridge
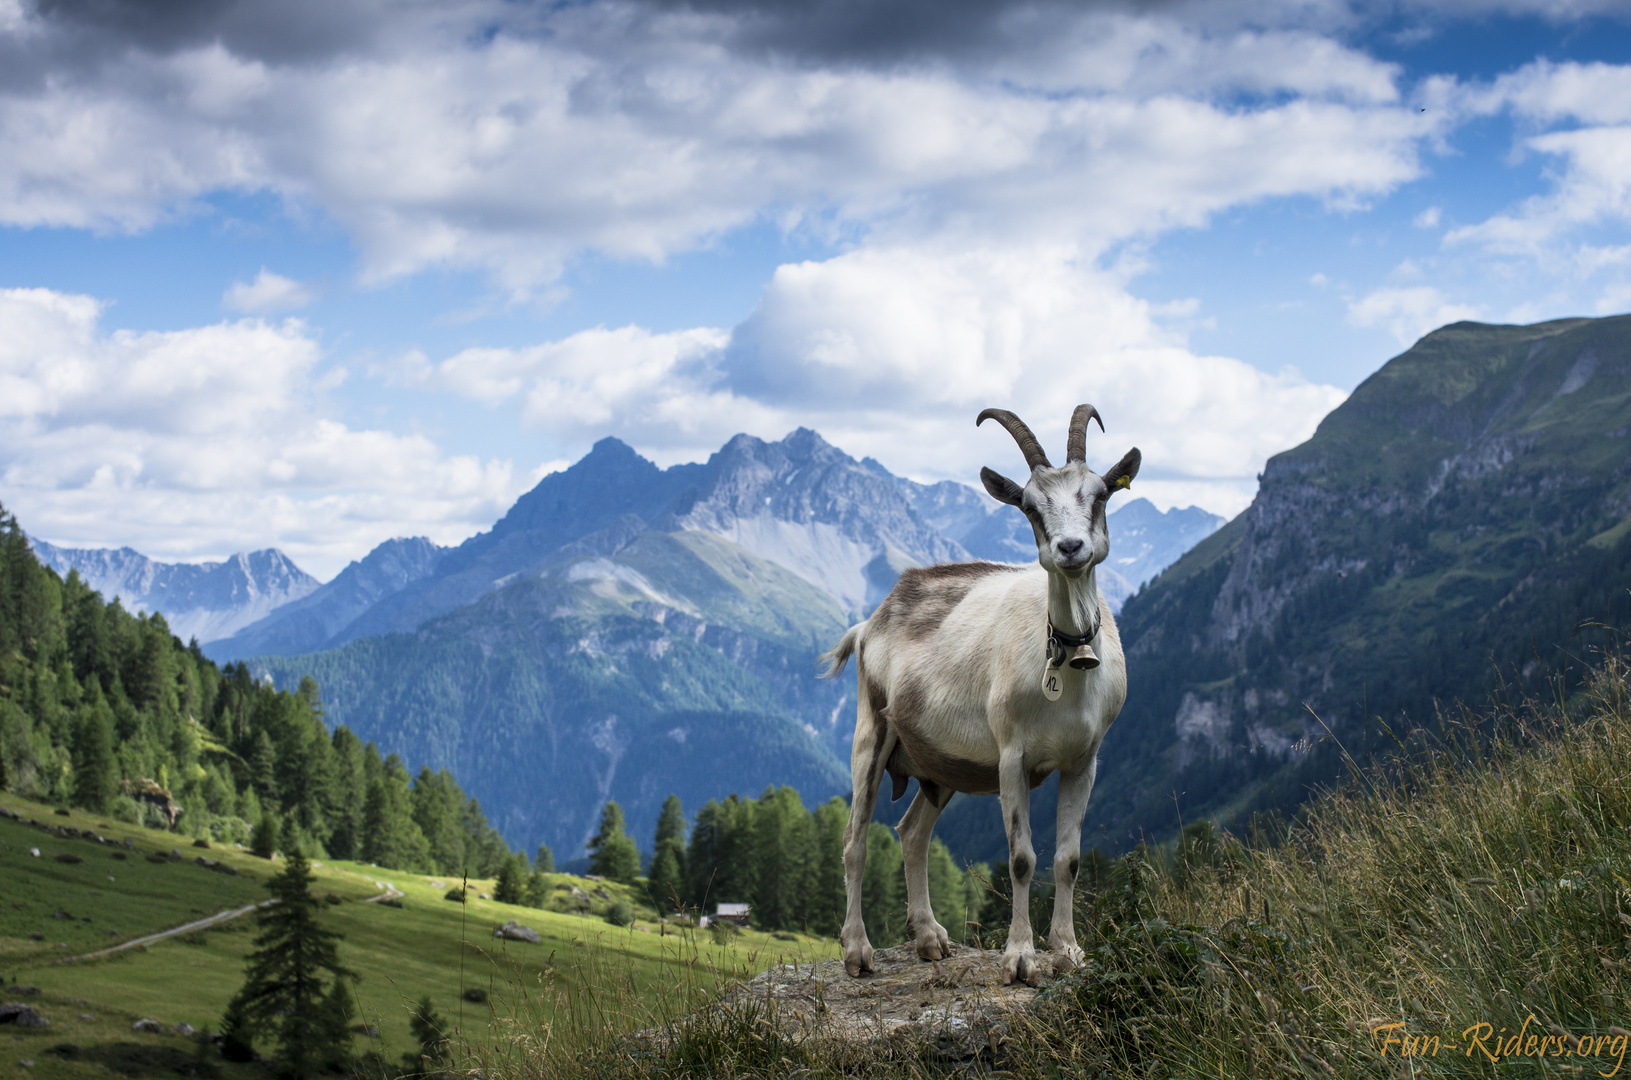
[(199, 600), (848, 527), (634, 664)]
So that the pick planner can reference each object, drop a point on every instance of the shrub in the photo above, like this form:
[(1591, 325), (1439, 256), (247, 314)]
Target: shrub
[(620, 913), (456, 895), (476, 994)]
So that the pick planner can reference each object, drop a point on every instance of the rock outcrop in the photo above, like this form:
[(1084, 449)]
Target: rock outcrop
[(957, 1007)]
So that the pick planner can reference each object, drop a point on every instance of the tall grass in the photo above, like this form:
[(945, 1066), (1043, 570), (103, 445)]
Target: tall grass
[(1461, 909)]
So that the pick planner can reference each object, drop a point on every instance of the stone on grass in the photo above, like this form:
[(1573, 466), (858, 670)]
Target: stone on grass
[(186, 1029), (22, 1016), (149, 1025), (514, 931)]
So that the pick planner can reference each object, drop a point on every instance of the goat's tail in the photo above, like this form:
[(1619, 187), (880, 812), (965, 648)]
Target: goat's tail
[(834, 660)]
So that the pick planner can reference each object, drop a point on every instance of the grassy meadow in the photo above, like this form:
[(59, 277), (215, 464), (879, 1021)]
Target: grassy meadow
[(1462, 908), (420, 944)]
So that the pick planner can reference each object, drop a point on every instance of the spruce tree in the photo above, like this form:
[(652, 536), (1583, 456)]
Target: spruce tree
[(263, 767), (544, 861), (96, 774), (612, 853), (511, 877), (883, 887), (430, 1031), (667, 874), (264, 840), (294, 984)]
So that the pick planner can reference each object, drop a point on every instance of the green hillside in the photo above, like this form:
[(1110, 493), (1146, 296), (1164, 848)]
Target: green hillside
[(675, 663), (1458, 526), (421, 944)]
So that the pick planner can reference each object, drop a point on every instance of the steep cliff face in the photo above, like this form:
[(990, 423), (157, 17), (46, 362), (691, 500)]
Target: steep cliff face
[(1463, 512)]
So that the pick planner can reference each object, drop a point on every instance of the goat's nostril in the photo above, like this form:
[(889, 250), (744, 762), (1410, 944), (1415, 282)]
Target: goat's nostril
[(1069, 547)]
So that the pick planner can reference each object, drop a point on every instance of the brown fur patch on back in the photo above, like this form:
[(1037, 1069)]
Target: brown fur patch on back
[(925, 595)]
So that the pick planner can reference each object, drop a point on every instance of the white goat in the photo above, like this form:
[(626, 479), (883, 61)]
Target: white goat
[(963, 683)]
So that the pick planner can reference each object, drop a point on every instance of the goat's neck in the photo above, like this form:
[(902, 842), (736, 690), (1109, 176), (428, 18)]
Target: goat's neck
[(1073, 603)]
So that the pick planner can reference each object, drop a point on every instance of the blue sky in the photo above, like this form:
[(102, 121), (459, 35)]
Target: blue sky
[(317, 276)]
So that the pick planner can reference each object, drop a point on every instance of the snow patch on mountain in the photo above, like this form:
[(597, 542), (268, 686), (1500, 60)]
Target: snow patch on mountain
[(206, 601)]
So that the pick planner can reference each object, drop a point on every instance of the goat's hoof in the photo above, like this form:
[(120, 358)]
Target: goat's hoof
[(858, 960), (1067, 958), (1019, 967), (934, 945)]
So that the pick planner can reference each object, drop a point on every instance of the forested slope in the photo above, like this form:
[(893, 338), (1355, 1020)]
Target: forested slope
[(109, 711), (1461, 523)]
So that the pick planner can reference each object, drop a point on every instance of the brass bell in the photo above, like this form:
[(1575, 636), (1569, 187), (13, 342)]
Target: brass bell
[(1083, 658)]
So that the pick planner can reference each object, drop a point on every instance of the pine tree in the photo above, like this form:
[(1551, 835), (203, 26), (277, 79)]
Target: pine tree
[(264, 840), (827, 900), (667, 874), (781, 847), (293, 987), (946, 889), (96, 774), (612, 853), (508, 889), (430, 1031), (544, 861), (263, 767), (883, 888), (237, 1040), (390, 836)]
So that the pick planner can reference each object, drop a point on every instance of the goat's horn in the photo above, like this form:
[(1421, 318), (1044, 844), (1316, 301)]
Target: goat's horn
[(1076, 443), (1034, 455)]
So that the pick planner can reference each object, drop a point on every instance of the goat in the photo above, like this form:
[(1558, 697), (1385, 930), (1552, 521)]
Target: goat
[(963, 682)]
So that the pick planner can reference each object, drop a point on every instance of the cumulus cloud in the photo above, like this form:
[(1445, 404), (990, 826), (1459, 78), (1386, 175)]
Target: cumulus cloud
[(1590, 187), (892, 352), (509, 138), (208, 440), (268, 294), (1408, 313)]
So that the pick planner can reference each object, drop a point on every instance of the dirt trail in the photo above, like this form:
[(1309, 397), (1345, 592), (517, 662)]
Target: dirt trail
[(218, 917)]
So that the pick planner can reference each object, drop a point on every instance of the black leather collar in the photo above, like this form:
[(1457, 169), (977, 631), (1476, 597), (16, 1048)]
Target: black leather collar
[(1066, 640)]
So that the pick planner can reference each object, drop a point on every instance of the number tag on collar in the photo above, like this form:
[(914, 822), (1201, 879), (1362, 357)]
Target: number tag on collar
[(1053, 676), (1052, 682)]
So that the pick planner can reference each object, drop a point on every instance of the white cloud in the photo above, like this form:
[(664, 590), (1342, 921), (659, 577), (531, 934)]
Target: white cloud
[(1428, 218), (203, 441), (479, 136), (1408, 313), (1561, 230), (892, 352), (1595, 187), (268, 294)]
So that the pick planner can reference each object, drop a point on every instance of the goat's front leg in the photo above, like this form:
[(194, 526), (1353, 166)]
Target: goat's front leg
[(866, 763), (1019, 958), (915, 828), (1074, 789)]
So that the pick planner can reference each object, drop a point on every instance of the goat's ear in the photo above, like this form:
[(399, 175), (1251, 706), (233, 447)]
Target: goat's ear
[(1001, 488), (1120, 476)]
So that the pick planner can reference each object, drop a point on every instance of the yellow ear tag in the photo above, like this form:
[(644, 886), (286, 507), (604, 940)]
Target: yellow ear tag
[(1124, 481)]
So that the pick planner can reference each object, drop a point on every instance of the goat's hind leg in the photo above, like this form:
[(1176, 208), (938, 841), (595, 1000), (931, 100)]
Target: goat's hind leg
[(915, 828), (872, 744)]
